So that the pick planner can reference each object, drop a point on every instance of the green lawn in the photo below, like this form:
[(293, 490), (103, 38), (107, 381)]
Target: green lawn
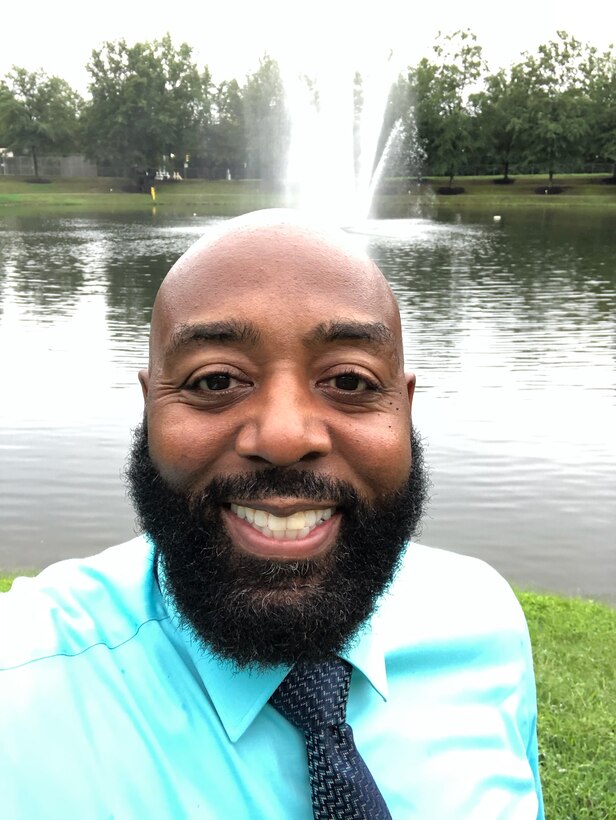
[(480, 193), (397, 198), (574, 643), (575, 664), (95, 194)]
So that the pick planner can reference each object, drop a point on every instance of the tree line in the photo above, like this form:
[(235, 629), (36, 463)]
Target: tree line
[(151, 107)]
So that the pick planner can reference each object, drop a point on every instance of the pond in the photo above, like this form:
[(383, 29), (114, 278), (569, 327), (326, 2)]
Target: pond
[(510, 326)]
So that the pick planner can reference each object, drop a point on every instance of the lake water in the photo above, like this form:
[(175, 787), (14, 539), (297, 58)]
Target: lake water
[(510, 327)]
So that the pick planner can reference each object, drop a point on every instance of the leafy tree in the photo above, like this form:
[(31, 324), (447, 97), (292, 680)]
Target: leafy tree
[(149, 102), (501, 114), (38, 114), (223, 145), (601, 74), (557, 119), (267, 122), (441, 91)]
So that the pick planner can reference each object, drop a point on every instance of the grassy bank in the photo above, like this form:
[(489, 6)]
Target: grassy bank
[(397, 197), (401, 197), (95, 194), (575, 665)]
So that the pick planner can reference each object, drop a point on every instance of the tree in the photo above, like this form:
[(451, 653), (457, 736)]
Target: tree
[(149, 105), (38, 114), (441, 91), (601, 74), (268, 126), (500, 113), (557, 119), (223, 145)]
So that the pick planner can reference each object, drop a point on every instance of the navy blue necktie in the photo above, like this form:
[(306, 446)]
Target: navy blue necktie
[(313, 697)]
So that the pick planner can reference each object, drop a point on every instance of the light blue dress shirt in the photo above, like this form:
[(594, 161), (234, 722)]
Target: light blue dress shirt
[(108, 708)]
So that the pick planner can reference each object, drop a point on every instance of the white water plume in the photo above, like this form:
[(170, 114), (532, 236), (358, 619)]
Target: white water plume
[(333, 153)]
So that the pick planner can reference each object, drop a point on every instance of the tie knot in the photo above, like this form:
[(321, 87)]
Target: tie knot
[(314, 695)]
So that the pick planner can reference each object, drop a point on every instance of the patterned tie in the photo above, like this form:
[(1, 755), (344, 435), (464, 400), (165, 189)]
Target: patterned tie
[(313, 697)]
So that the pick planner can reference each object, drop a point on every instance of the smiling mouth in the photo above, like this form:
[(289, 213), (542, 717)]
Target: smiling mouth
[(292, 527)]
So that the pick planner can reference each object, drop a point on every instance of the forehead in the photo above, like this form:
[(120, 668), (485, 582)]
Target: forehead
[(289, 278)]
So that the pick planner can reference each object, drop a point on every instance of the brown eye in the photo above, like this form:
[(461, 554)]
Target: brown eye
[(349, 381), (216, 381)]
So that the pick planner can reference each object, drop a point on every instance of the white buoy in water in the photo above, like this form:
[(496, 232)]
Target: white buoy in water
[(497, 217)]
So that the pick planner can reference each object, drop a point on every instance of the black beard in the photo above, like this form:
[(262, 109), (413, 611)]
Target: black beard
[(260, 612)]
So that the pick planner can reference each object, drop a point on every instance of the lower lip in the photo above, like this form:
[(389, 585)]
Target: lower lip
[(248, 539)]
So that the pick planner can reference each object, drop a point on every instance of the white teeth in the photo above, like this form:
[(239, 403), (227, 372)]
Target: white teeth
[(297, 521), (289, 527), (275, 523)]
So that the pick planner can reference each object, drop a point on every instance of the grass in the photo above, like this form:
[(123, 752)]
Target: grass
[(398, 197), (480, 193), (575, 667), (575, 664), (86, 194)]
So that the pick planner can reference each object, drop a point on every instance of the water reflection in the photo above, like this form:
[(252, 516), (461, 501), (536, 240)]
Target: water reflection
[(510, 326)]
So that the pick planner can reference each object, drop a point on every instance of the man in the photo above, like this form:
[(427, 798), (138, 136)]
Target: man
[(278, 481)]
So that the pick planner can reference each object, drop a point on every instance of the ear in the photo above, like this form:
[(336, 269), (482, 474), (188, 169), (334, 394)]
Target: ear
[(144, 381), (410, 386)]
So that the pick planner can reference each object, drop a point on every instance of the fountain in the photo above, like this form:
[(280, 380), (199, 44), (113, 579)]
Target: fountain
[(333, 167)]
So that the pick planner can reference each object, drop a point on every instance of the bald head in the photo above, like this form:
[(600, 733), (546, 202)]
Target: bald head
[(276, 344), (265, 259)]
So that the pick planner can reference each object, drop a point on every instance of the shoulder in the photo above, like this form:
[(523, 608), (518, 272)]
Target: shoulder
[(78, 603), (439, 595)]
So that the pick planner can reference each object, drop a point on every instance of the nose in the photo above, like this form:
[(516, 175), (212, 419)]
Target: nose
[(283, 426)]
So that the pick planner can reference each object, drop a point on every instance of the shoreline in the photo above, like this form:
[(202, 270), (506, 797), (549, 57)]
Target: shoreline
[(395, 198)]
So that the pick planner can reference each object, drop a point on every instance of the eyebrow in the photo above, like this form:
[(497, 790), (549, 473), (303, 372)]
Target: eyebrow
[(224, 332), (373, 334)]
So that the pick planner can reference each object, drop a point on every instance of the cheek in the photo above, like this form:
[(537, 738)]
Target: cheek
[(381, 453), (185, 448)]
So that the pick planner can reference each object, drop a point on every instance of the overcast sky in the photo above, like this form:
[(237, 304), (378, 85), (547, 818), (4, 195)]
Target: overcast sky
[(231, 35)]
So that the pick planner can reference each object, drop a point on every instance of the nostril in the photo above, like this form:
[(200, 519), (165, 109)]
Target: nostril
[(312, 456), (283, 440)]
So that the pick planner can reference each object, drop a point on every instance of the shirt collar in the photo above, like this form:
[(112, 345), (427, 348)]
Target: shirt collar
[(239, 695)]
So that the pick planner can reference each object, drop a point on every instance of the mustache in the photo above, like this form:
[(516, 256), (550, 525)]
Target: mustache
[(276, 482)]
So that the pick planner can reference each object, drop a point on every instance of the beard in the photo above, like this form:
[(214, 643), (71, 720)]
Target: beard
[(261, 612)]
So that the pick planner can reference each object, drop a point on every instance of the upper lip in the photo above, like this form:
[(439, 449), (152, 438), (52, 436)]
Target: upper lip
[(282, 507)]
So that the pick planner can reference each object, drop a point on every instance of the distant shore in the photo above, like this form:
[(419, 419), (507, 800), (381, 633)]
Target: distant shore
[(396, 197)]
